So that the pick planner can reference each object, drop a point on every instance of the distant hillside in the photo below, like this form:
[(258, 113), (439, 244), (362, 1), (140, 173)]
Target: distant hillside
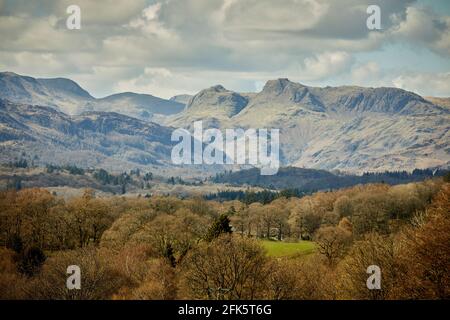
[(142, 106), (443, 102), (60, 94), (108, 140), (103, 139), (181, 98), (67, 96)]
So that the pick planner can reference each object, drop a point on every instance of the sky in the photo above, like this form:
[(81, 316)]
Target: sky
[(171, 47)]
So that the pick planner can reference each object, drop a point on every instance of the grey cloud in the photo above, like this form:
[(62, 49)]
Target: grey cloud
[(260, 38), (345, 19), (423, 26)]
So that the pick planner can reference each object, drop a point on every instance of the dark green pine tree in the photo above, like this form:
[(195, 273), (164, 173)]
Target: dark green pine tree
[(220, 226)]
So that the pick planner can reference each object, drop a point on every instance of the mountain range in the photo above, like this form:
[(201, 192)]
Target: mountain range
[(67, 96), (347, 128), (92, 139)]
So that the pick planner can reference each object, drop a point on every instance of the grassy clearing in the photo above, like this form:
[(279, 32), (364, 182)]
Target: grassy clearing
[(286, 249)]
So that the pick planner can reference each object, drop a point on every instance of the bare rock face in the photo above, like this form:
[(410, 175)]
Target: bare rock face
[(347, 128), (181, 98)]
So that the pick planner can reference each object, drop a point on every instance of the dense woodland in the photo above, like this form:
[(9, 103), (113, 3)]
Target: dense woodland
[(170, 248), (290, 181), (312, 180)]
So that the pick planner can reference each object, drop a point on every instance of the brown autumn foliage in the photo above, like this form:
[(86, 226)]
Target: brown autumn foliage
[(306, 279), (159, 283), (100, 277), (156, 248), (414, 262), (425, 256), (11, 281), (228, 268), (332, 242)]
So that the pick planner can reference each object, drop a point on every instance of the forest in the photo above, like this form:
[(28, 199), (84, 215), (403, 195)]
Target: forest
[(163, 247), (312, 180)]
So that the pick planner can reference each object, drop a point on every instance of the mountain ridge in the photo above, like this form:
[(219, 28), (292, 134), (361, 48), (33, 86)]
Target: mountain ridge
[(347, 128), (69, 97), (105, 139)]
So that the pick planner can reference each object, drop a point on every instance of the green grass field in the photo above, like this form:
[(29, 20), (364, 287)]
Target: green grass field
[(285, 249)]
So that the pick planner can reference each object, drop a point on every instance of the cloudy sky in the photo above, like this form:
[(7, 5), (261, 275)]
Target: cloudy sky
[(171, 47)]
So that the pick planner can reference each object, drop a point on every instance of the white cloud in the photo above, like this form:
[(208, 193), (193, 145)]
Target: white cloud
[(428, 84), (166, 83), (37, 64), (365, 73), (325, 65), (162, 81), (149, 24)]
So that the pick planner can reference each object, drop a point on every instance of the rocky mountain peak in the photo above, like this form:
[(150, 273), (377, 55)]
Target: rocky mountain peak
[(278, 86), (217, 88), (218, 98)]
